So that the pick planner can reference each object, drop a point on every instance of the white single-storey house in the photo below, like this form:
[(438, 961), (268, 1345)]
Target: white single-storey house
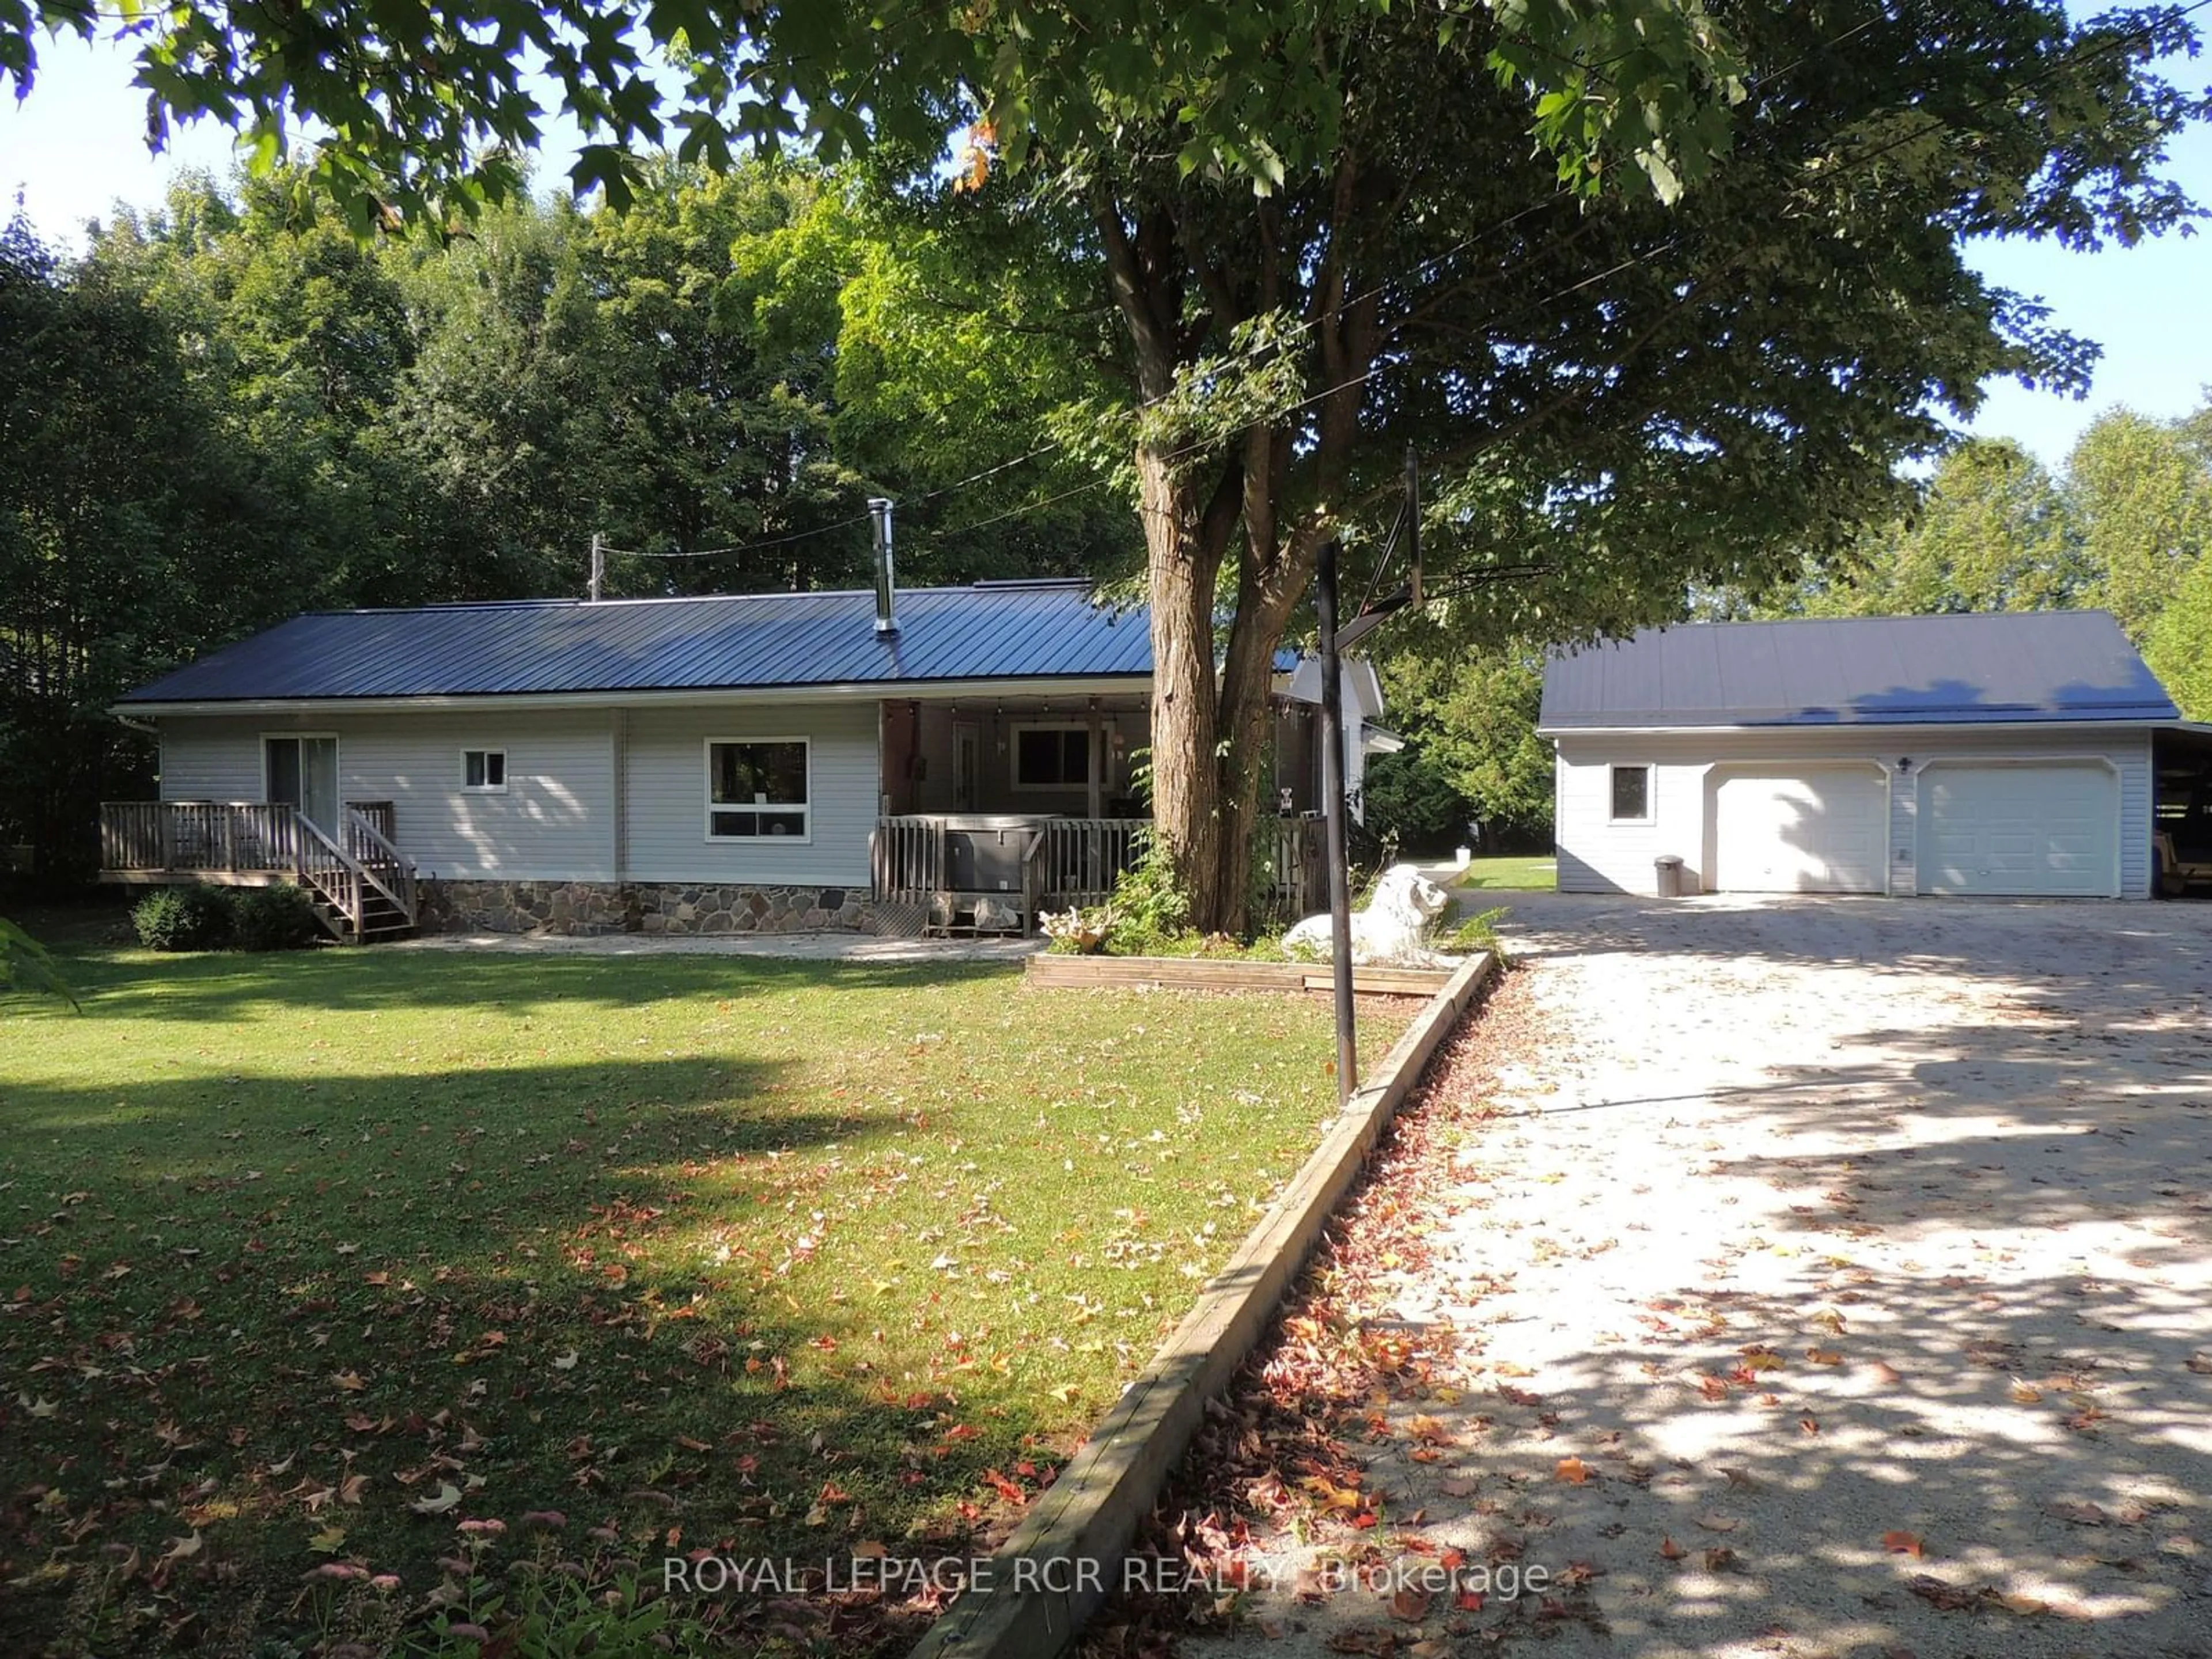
[(728, 764), (1954, 754)]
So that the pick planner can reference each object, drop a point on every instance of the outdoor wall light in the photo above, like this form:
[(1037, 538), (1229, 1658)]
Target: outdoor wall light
[(1904, 764)]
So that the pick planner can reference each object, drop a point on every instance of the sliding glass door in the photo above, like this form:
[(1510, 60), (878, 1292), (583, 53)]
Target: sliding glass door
[(303, 772)]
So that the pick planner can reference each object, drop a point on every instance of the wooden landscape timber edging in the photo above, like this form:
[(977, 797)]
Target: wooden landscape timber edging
[(1029, 1600), (1200, 974)]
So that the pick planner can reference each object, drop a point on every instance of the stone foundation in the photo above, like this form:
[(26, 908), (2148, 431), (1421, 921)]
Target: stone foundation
[(602, 907)]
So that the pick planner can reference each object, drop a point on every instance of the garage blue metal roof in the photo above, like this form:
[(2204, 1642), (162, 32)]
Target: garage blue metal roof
[(993, 630), (2067, 666)]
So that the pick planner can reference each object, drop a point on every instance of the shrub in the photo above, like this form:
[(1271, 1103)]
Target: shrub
[(195, 918), (271, 918), (1478, 932)]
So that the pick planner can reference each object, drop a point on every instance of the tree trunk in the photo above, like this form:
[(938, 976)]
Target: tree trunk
[(1185, 784)]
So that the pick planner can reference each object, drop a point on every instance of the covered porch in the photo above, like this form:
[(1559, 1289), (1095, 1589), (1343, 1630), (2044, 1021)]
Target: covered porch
[(993, 812)]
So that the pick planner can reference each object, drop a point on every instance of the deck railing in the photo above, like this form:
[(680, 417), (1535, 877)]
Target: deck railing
[(1076, 862), (906, 858), (194, 836), (326, 868), (383, 866), (1083, 858)]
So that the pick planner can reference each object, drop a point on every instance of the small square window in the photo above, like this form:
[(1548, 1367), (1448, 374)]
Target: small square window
[(1631, 794), (483, 770)]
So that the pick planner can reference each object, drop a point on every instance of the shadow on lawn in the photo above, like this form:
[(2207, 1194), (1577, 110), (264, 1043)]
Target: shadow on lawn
[(220, 986), (583, 1285)]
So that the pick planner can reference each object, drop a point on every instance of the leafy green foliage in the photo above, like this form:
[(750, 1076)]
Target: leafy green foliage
[(233, 409), (191, 918), (2179, 648), (1477, 932), (1472, 755), (1150, 907), (278, 918), (2127, 526), (426, 111), (26, 965)]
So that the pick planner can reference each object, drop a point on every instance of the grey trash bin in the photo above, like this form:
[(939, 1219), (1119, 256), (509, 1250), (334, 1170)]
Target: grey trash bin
[(1669, 873)]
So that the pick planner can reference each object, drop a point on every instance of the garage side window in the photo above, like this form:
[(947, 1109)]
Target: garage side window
[(757, 788), (1631, 794)]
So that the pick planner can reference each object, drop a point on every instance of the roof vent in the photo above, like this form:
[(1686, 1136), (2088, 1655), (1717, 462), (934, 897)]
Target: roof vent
[(880, 511)]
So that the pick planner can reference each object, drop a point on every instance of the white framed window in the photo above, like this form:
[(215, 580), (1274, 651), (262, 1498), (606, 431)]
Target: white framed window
[(1051, 756), (483, 771), (1631, 794), (758, 787)]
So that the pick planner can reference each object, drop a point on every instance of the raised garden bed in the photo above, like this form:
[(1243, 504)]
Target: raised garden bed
[(1197, 974)]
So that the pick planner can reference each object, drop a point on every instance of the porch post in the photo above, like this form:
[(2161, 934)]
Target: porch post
[(1097, 767)]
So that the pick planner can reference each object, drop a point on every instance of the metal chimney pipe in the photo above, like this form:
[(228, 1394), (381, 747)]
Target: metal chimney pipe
[(880, 511)]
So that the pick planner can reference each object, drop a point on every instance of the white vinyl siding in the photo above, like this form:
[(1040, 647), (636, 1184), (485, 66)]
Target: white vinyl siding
[(554, 822), (1597, 855), (211, 760), (666, 762)]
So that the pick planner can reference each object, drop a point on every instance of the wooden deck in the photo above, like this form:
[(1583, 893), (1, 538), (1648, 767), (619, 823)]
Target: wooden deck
[(362, 886)]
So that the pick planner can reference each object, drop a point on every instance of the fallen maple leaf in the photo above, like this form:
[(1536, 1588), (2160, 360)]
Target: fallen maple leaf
[(328, 1541), (1573, 1471), (1824, 1356), (2083, 1514), (184, 1548), (1718, 1522), (1904, 1543), (2024, 1395), (448, 1497), (1947, 1598), (1669, 1550), (1410, 1605), (348, 1382)]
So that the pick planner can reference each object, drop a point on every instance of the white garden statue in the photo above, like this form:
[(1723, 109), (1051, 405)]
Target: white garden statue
[(1392, 930)]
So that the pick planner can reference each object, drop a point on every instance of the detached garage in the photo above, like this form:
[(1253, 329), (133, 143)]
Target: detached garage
[(1975, 755)]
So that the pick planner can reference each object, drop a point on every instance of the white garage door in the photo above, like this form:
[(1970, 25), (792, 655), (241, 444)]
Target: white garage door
[(1811, 830), (2019, 830)]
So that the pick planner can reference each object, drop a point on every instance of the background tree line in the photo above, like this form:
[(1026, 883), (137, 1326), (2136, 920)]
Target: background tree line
[(2125, 525), (235, 409)]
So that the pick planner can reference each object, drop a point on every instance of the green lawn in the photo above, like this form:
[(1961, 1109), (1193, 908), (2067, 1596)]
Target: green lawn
[(770, 1257), (1515, 873)]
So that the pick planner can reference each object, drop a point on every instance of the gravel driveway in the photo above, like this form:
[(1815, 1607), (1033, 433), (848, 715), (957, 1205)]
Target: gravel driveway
[(1829, 1277)]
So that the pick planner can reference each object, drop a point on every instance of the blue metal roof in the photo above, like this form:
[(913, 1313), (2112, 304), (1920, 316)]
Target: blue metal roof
[(993, 630), (1867, 671)]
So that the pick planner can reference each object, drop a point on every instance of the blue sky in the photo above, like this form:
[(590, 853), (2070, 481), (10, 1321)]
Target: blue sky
[(76, 146)]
